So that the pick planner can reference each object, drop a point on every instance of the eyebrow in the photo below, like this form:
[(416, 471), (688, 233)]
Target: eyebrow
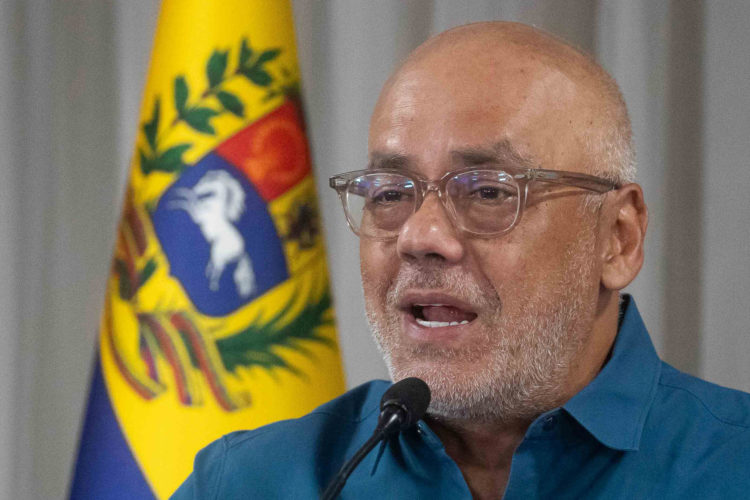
[(500, 153), (389, 160)]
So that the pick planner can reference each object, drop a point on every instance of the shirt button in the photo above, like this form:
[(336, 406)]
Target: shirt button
[(549, 423)]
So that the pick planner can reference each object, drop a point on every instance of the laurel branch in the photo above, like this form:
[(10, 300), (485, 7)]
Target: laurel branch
[(257, 344), (197, 111)]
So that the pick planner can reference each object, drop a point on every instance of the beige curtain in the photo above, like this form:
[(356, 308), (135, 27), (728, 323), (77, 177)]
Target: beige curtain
[(70, 80)]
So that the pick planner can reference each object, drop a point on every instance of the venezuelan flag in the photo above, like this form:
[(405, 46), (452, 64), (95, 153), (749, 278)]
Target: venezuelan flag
[(218, 314)]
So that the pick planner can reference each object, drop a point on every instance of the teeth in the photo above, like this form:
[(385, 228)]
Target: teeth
[(439, 324)]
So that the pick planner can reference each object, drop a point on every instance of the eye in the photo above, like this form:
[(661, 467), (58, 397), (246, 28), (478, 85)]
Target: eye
[(388, 196), (488, 193), (482, 188), (389, 192), (494, 193)]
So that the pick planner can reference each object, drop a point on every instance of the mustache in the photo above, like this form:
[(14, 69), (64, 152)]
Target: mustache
[(454, 281)]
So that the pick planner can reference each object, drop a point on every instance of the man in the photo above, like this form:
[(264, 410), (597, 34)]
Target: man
[(498, 221)]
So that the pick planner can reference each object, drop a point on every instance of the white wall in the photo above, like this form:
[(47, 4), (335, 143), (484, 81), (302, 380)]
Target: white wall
[(725, 186)]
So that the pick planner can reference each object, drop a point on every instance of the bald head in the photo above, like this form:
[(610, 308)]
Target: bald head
[(528, 78)]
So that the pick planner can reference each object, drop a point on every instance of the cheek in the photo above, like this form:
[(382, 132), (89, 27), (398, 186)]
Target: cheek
[(378, 263), (502, 265), (525, 261), (507, 262)]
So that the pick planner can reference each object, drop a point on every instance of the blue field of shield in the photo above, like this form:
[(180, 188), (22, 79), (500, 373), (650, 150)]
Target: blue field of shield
[(219, 238)]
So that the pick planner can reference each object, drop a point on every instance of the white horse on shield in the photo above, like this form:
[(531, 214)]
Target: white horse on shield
[(215, 203)]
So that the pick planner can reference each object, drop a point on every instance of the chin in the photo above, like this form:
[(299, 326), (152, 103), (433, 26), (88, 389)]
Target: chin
[(489, 386), (457, 393)]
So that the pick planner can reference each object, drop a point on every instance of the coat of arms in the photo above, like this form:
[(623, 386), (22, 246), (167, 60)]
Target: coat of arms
[(197, 251)]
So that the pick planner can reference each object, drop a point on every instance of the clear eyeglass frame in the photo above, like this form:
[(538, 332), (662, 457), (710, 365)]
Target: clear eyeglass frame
[(522, 179)]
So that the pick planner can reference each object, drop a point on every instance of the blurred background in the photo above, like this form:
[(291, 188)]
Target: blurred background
[(71, 75)]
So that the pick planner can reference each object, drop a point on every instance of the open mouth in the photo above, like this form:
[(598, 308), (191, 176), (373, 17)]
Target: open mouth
[(440, 315)]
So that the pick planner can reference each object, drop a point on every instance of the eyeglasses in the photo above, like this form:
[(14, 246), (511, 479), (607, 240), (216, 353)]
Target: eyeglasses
[(482, 201)]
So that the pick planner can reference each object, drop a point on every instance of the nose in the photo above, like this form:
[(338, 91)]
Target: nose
[(429, 232)]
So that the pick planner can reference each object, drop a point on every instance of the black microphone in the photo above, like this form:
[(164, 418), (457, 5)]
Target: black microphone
[(401, 407)]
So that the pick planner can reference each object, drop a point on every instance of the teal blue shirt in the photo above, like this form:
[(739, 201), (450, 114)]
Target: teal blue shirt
[(640, 429)]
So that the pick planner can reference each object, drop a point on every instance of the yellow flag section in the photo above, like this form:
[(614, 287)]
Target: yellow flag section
[(218, 314)]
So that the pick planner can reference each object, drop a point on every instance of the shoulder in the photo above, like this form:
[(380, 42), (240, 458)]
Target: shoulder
[(700, 428), (700, 434), (327, 423), (721, 405), (260, 461)]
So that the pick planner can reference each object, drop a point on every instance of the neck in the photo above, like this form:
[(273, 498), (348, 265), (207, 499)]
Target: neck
[(483, 452), (484, 444), (597, 347)]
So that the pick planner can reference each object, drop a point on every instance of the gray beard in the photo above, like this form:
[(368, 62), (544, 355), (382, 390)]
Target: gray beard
[(518, 367)]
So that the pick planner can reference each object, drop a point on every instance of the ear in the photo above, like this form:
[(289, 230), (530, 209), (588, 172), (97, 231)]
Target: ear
[(624, 231)]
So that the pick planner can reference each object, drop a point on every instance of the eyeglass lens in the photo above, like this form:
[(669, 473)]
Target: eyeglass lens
[(483, 201)]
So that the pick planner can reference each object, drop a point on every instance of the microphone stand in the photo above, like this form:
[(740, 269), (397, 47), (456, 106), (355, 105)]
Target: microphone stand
[(401, 406), (391, 425)]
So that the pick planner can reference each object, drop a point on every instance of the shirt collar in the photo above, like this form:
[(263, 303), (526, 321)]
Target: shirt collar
[(613, 407)]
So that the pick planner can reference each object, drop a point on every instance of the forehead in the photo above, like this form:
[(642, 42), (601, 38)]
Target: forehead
[(432, 109), (501, 153)]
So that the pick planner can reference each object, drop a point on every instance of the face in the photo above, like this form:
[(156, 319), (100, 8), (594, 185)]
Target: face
[(496, 327)]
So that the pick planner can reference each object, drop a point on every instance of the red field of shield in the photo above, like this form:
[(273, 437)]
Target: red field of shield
[(272, 152)]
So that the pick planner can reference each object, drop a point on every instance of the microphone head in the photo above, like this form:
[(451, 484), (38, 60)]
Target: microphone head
[(412, 395)]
